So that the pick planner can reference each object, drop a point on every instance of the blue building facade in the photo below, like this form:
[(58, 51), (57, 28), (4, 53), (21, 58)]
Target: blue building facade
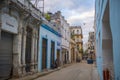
[(107, 17), (49, 47)]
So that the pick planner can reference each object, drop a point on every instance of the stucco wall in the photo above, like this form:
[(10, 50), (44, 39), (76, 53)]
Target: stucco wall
[(114, 19), (115, 27), (44, 33)]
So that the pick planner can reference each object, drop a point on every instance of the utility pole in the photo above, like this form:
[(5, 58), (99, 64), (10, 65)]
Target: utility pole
[(39, 4)]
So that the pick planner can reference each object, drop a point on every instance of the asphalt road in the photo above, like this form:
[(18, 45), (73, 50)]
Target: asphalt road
[(78, 71)]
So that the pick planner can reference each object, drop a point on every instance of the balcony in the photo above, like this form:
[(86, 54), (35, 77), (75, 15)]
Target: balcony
[(78, 41)]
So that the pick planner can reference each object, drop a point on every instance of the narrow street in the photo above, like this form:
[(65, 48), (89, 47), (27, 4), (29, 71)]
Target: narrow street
[(59, 40), (79, 71)]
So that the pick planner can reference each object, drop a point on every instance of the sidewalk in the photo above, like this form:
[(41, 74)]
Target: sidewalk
[(94, 72), (78, 71), (95, 75), (34, 76)]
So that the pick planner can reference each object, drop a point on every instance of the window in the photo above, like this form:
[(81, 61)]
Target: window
[(77, 31), (73, 31)]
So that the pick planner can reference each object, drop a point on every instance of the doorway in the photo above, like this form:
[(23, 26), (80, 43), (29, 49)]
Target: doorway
[(52, 54), (28, 49), (44, 53), (6, 50), (58, 57)]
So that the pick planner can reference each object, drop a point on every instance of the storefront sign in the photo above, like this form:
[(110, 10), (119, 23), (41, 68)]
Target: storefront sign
[(9, 24)]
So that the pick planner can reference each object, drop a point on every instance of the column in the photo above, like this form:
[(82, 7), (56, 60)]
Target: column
[(36, 52), (75, 53), (62, 57), (33, 51), (23, 51), (17, 54), (65, 56), (71, 54)]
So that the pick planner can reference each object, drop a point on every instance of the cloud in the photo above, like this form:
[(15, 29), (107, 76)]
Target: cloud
[(83, 17), (71, 5), (55, 5), (76, 12)]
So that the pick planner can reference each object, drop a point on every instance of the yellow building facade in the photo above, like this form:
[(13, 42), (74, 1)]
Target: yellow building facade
[(73, 50), (76, 35)]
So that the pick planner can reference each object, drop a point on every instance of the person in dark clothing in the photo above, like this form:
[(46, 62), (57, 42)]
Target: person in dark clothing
[(56, 63)]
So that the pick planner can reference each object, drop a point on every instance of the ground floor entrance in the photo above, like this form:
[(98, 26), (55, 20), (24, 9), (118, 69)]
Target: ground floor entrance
[(44, 53), (28, 49), (66, 57), (58, 57), (6, 50), (72, 55), (52, 54)]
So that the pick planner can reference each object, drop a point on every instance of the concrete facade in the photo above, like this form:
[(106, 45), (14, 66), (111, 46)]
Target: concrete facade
[(58, 20), (76, 35), (91, 45), (48, 32), (73, 51), (15, 20), (107, 17), (65, 32)]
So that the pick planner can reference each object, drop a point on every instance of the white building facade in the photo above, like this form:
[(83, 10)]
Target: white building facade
[(65, 32), (59, 20)]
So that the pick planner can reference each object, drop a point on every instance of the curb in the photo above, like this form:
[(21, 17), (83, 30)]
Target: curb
[(34, 76), (40, 74)]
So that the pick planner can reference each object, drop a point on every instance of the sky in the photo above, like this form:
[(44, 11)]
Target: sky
[(76, 12)]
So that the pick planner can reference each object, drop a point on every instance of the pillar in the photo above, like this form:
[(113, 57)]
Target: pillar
[(36, 52), (65, 56), (62, 56), (23, 51), (17, 54), (33, 51)]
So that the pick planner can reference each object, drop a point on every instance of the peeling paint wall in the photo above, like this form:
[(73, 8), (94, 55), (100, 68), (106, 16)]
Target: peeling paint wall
[(108, 43)]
